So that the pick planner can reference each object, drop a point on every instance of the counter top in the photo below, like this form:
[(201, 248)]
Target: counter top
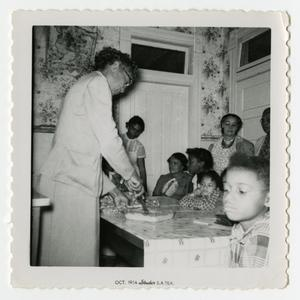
[(180, 227)]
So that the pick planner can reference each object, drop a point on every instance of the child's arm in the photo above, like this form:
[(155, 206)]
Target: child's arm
[(187, 201), (142, 169), (206, 203)]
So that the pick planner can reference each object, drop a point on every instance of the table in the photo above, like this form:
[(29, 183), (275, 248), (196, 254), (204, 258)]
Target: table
[(178, 242), (39, 201)]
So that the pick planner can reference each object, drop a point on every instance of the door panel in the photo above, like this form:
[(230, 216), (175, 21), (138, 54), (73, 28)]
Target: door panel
[(164, 108), (253, 96)]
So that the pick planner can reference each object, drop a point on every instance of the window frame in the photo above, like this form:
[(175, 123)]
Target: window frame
[(245, 39), (168, 46)]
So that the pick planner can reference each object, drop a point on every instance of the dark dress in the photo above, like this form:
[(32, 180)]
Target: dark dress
[(184, 180)]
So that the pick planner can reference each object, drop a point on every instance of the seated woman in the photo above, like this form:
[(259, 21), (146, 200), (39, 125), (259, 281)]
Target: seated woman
[(209, 194), (229, 143), (177, 183)]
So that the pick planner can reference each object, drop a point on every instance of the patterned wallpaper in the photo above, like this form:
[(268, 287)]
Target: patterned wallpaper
[(214, 78), (62, 54)]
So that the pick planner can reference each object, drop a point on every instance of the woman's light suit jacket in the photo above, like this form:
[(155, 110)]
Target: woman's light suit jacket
[(85, 132)]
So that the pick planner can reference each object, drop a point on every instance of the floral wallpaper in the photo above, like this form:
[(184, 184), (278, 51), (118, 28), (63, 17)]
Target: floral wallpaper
[(62, 54), (214, 78)]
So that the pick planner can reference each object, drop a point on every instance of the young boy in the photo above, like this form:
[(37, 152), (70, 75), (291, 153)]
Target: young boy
[(246, 201)]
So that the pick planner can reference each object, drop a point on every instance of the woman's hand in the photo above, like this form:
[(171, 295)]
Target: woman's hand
[(198, 191), (135, 185), (120, 200), (152, 202)]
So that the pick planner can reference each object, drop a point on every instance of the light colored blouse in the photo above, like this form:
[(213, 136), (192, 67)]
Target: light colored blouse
[(135, 149), (221, 155)]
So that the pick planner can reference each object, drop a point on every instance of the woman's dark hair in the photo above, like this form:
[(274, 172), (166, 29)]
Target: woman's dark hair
[(136, 120), (239, 121), (256, 164), (108, 55), (213, 175), (202, 154), (180, 156)]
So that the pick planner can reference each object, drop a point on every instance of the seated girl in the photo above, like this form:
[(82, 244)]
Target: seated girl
[(177, 183), (209, 194)]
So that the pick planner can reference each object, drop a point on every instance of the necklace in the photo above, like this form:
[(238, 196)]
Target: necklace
[(227, 144)]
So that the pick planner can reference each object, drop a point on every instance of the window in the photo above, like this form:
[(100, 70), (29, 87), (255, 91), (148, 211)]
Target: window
[(160, 57), (256, 48)]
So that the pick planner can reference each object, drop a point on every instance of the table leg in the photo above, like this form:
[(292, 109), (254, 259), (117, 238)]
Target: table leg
[(35, 232)]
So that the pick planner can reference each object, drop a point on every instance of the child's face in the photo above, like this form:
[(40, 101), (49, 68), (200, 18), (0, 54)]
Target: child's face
[(134, 131), (207, 186), (175, 165), (194, 165), (245, 196)]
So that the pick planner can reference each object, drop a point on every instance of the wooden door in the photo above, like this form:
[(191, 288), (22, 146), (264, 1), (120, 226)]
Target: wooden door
[(253, 96), (164, 108)]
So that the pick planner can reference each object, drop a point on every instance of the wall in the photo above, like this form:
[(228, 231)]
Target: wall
[(213, 79), (62, 54)]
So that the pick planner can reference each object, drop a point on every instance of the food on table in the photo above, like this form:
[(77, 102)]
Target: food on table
[(156, 216)]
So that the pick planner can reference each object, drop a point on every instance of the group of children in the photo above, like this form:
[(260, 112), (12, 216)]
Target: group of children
[(242, 191)]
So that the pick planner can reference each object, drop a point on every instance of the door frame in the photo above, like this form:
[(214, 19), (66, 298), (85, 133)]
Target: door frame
[(160, 35), (237, 73)]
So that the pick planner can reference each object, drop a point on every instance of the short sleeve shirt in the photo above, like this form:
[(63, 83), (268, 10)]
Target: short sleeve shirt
[(250, 248)]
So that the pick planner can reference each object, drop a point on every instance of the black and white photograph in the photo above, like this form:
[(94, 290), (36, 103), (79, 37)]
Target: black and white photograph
[(149, 134), (151, 148)]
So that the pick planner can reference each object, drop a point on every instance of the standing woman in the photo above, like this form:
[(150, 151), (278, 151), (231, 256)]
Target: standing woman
[(229, 143), (72, 175)]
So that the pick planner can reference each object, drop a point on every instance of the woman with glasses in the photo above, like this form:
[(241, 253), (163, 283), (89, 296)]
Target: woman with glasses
[(72, 174)]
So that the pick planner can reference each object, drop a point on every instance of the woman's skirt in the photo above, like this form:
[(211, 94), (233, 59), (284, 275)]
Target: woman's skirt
[(70, 229)]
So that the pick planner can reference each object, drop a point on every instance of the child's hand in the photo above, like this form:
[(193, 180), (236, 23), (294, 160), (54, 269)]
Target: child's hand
[(197, 192)]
